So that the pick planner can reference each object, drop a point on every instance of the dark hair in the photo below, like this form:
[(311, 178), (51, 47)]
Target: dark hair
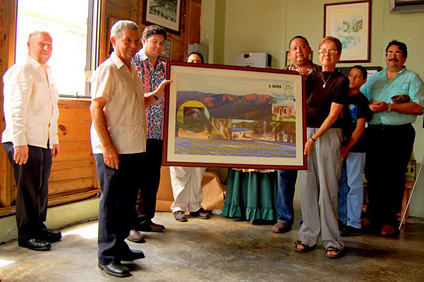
[(401, 45), (300, 37), (195, 53), (152, 30), (362, 69), (334, 40)]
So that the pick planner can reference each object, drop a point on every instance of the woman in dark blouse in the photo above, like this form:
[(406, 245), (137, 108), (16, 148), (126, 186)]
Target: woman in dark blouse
[(326, 94)]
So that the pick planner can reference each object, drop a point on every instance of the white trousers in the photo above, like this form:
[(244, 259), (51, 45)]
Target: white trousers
[(186, 188)]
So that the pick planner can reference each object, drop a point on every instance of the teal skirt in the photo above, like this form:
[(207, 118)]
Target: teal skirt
[(251, 195)]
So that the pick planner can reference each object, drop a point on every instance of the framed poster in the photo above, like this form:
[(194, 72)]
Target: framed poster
[(351, 23), (164, 13), (237, 117), (167, 50)]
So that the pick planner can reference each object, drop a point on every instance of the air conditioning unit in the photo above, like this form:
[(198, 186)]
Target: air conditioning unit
[(258, 60), (397, 6)]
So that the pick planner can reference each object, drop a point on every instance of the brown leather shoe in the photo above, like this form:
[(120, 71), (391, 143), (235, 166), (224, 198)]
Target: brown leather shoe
[(201, 213), (281, 227), (149, 226), (136, 237), (180, 216), (388, 231)]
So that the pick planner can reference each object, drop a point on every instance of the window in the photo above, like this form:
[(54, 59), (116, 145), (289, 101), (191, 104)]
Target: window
[(73, 26)]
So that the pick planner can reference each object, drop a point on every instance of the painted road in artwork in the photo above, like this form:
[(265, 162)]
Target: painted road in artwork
[(245, 148)]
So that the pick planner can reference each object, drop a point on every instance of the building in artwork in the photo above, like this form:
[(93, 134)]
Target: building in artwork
[(241, 133), (284, 110)]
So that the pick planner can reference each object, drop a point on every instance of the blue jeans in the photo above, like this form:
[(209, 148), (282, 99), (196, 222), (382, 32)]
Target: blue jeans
[(286, 184), (351, 190)]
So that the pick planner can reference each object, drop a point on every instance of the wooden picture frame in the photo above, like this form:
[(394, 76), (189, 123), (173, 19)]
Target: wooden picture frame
[(164, 13), (350, 22), (239, 117)]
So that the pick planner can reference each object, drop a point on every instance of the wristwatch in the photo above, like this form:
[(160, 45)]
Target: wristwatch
[(389, 109)]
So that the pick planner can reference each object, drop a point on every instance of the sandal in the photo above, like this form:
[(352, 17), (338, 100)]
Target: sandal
[(338, 253), (304, 247)]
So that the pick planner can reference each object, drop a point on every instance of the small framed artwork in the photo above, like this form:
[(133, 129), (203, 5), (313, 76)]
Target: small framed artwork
[(164, 13), (238, 117), (167, 49), (350, 22)]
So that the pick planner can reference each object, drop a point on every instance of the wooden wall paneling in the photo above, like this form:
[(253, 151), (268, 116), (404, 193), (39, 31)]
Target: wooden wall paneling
[(179, 50), (73, 173), (81, 184), (194, 8), (73, 131), (64, 199), (70, 170), (74, 151)]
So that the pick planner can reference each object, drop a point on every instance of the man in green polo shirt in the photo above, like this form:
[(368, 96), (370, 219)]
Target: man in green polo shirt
[(396, 97)]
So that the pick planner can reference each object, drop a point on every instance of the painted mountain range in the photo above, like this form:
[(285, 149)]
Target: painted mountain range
[(250, 106)]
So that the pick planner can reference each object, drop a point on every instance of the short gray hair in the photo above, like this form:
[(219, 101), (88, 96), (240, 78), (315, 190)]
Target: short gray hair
[(119, 26), (37, 32)]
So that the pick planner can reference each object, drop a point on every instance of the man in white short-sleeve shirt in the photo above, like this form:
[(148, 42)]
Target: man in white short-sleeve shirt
[(118, 139)]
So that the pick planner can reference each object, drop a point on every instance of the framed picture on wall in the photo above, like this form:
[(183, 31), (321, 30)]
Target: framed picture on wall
[(164, 13), (167, 49), (351, 23), (239, 117)]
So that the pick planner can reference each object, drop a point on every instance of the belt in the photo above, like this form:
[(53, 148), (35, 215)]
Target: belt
[(388, 127)]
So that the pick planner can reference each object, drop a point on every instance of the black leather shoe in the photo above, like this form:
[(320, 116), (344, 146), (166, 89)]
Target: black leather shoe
[(50, 235), (148, 225), (133, 255), (35, 244), (115, 269)]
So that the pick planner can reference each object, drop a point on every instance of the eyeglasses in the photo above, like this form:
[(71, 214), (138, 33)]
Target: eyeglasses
[(396, 54), (330, 52), (156, 42)]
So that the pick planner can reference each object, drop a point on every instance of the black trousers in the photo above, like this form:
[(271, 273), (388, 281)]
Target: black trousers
[(116, 209), (146, 200), (32, 182), (389, 149)]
